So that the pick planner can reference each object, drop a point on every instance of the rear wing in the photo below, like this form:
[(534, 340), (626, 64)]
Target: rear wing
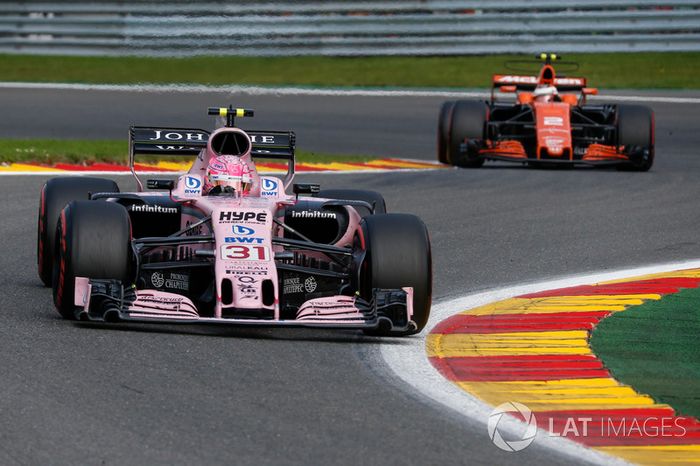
[(149, 140), (529, 83), (275, 145)]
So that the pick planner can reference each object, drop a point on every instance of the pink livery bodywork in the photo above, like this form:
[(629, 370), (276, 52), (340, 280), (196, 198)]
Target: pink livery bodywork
[(243, 254)]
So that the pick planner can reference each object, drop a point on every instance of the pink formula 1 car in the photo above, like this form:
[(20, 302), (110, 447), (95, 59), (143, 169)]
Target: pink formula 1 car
[(222, 244)]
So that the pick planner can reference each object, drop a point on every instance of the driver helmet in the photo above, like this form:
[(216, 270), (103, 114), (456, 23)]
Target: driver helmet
[(228, 174), (545, 92)]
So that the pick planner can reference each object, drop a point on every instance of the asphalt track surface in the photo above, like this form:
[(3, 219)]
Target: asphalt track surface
[(89, 394)]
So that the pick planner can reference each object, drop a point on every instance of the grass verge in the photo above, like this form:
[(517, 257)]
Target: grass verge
[(677, 70), (654, 348), (86, 151)]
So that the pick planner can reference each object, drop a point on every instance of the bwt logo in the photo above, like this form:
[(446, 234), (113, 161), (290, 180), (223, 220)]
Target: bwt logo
[(192, 182), (269, 188), (242, 216), (241, 230), (269, 185), (245, 239)]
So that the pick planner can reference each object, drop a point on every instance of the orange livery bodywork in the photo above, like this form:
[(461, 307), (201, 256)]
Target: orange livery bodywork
[(549, 120)]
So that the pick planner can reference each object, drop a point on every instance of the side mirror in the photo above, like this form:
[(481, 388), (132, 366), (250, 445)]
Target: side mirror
[(589, 91), (160, 184), (508, 89), (306, 188)]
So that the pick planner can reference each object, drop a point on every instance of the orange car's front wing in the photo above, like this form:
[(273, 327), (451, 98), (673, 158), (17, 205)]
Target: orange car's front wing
[(513, 151)]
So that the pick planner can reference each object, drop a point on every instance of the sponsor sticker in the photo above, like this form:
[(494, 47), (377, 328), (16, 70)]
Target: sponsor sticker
[(157, 279), (246, 287), (262, 138), (174, 148), (517, 79), (240, 230), (188, 136), (554, 143), (152, 209), (313, 214), (246, 272), (247, 267), (553, 121), (568, 81), (162, 299), (243, 239), (310, 284), (236, 217), (292, 286), (193, 186), (173, 281), (241, 252), (270, 187), (178, 281)]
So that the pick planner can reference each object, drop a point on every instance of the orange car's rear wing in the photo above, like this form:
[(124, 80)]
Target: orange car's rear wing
[(529, 83)]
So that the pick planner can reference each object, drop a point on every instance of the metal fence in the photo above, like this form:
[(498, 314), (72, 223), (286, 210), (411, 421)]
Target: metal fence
[(428, 27)]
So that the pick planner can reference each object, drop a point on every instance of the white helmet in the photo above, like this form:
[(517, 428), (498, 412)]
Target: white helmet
[(545, 92)]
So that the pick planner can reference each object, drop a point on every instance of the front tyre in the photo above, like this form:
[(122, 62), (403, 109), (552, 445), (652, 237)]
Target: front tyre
[(635, 132), (398, 255), (93, 240), (55, 194), (467, 123), (443, 134)]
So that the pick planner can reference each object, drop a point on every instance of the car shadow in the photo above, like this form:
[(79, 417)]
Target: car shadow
[(253, 333), (556, 167)]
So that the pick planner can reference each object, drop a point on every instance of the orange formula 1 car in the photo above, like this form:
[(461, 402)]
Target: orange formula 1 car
[(549, 123)]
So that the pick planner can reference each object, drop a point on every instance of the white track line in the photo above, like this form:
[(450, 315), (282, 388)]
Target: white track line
[(408, 359), (262, 90)]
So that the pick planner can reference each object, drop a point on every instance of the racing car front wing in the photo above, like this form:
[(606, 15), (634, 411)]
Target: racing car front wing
[(110, 301)]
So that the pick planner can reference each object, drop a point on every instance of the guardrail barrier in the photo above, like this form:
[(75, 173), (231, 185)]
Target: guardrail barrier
[(428, 27)]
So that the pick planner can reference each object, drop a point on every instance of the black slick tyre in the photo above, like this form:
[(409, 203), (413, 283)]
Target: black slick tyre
[(93, 240), (635, 131), (443, 135), (55, 194), (398, 255), (467, 123)]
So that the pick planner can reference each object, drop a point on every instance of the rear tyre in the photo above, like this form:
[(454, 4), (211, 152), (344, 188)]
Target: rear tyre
[(635, 131), (468, 123), (398, 255), (55, 194), (372, 197), (93, 240), (443, 136)]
